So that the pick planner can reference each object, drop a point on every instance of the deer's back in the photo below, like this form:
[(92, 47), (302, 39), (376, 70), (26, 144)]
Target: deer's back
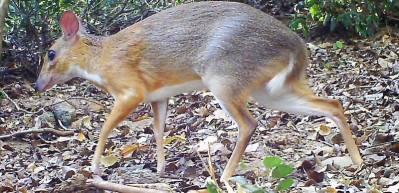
[(197, 36)]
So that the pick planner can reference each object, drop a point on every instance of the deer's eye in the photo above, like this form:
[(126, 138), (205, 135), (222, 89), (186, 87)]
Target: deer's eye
[(51, 55)]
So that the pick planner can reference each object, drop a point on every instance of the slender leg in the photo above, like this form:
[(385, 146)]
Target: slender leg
[(120, 111), (233, 100), (160, 109), (246, 127), (302, 101), (334, 111)]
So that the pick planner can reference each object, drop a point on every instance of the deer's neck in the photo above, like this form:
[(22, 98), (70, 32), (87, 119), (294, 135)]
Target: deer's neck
[(90, 68)]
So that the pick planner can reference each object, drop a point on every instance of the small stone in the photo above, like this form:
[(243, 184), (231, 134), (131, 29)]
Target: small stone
[(383, 63), (65, 113), (48, 119)]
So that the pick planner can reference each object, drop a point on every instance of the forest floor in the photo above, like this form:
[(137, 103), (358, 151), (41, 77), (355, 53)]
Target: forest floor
[(362, 74)]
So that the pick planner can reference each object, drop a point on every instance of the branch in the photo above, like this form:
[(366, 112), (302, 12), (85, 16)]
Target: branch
[(392, 18), (43, 130), (110, 20), (74, 98), (15, 104), (105, 185), (42, 109)]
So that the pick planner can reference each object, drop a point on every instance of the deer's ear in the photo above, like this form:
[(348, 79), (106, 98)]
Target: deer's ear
[(69, 24)]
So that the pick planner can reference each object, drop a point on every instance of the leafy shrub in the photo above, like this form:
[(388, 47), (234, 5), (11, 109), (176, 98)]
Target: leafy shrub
[(362, 17)]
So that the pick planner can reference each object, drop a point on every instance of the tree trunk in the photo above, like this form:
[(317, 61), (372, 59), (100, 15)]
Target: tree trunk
[(3, 14)]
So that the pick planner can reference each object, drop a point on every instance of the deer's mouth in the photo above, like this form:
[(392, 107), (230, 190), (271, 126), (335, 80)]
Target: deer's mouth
[(43, 84)]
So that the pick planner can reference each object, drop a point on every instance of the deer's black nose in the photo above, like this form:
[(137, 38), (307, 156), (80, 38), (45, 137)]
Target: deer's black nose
[(36, 87), (39, 86)]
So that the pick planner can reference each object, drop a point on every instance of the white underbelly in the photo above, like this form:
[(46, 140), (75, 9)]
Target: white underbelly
[(168, 91)]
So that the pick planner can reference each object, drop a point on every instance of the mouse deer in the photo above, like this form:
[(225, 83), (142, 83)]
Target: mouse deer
[(231, 49)]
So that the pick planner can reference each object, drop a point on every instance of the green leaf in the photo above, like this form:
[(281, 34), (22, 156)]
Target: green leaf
[(295, 24), (314, 11), (310, 2), (211, 187), (271, 162), (2, 95), (299, 24), (328, 66), (339, 45), (285, 184), (282, 171)]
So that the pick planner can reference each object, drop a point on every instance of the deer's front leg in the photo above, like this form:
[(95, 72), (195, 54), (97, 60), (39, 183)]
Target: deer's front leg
[(160, 109), (121, 110)]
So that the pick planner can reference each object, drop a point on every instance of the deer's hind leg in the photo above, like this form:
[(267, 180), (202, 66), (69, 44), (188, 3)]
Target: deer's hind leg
[(298, 98), (233, 100)]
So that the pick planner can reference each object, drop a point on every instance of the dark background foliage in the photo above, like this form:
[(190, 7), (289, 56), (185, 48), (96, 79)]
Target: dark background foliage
[(359, 17)]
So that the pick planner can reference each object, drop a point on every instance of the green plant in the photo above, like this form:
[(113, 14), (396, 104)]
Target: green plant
[(301, 24), (279, 171), (212, 187), (2, 95), (276, 168), (362, 17), (339, 45), (328, 66)]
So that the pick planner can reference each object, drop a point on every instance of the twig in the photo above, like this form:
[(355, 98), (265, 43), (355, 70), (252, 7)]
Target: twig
[(382, 144), (105, 185), (158, 186), (258, 119), (357, 87), (392, 18), (210, 165), (73, 98), (111, 20), (204, 163), (52, 104), (15, 104), (42, 130), (325, 143), (62, 125), (317, 159)]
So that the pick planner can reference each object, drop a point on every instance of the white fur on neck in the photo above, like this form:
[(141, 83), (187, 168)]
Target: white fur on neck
[(93, 77)]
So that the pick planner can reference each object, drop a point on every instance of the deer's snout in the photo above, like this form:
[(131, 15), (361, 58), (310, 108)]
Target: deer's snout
[(42, 84)]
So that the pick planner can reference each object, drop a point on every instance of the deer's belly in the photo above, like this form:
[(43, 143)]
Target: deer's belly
[(168, 91)]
